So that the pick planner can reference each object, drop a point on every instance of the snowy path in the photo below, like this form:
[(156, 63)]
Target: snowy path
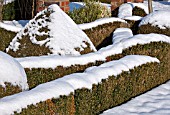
[(154, 102)]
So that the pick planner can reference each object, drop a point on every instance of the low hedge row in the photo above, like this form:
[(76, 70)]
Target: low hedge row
[(114, 90), (6, 38), (41, 75), (108, 93), (146, 29), (9, 90), (102, 35)]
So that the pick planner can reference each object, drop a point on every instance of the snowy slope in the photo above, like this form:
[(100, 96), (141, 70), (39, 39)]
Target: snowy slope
[(64, 35), (12, 72), (154, 102), (69, 83), (158, 18)]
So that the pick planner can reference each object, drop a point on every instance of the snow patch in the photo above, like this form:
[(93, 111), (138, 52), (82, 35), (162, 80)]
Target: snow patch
[(69, 83), (12, 72)]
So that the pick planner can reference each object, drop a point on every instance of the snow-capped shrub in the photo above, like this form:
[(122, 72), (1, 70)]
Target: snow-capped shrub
[(90, 12), (12, 76), (5, 38), (52, 31)]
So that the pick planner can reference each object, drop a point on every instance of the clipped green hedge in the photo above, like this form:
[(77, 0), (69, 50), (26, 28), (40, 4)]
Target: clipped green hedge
[(9, 90), (146, 29), (41, 75), (101, 35), (137, 11), (5, 38), (114, 90)]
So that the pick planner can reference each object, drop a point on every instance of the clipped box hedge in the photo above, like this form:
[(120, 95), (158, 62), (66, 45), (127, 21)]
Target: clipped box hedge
[(146, 29), (9, 89), (101, 35), (116, 89), (6, 38), (36, 76)]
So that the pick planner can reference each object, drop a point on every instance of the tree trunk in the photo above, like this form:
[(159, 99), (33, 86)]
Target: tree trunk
[(1, 7), (150, 6)]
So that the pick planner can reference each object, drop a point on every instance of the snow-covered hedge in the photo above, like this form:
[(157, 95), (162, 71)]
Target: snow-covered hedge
[(156, 22), (89, 88), (46, 68)]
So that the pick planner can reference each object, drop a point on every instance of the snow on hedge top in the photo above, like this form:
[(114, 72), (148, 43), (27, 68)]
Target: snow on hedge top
[(100, 22), (64, 34), (120, 34), (69, 83), (157, 18), (121, 42), (125, 10), (12, 72)]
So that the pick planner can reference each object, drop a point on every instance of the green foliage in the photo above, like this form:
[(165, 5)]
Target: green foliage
[(147, 29), (5, 38), (90, 12), (137, 11), (9, 89), (9, 11)]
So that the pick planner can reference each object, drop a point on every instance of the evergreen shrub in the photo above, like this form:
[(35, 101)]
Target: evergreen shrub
[(90, 12)]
